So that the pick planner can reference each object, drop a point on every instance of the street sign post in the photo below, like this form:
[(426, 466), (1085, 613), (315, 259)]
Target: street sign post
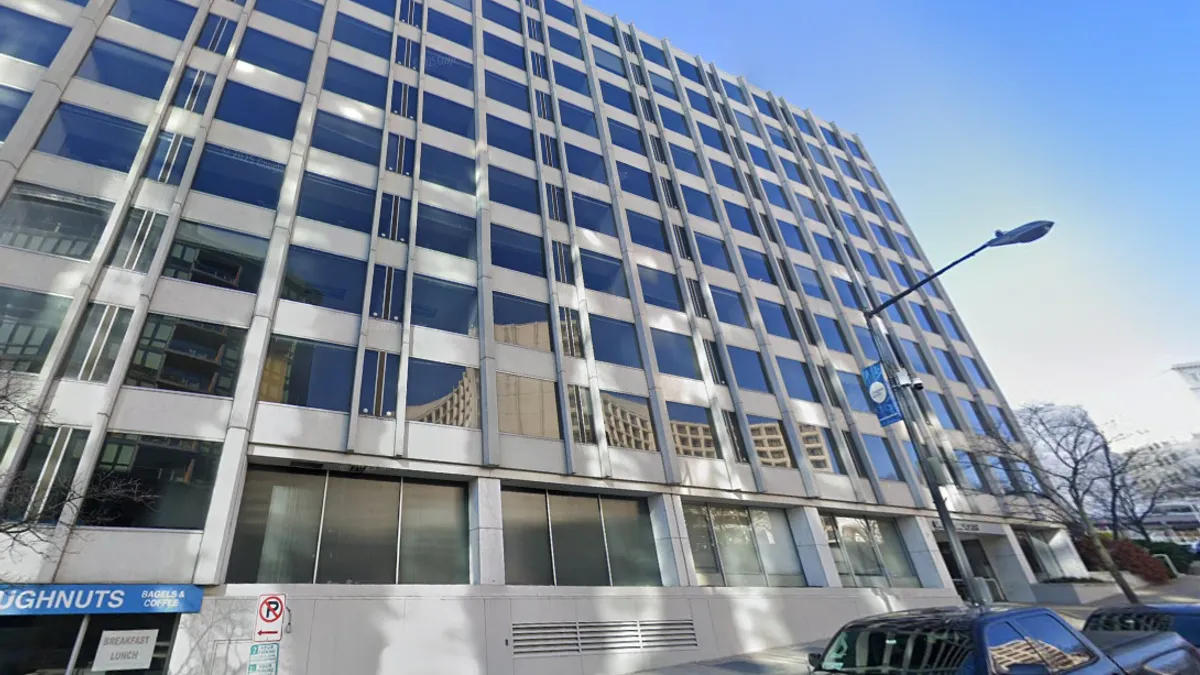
[(886, 407), (268, 622)]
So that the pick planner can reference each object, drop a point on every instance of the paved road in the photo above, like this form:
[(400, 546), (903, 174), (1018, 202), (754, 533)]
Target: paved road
[(793, 660)]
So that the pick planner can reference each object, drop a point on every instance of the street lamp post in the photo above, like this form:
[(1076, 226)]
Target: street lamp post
[(902, 384)]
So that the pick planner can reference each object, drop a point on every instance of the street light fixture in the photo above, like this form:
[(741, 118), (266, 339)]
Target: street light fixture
[(894, 373)]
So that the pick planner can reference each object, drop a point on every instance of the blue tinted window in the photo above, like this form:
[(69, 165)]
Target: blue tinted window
[(444, 305), (740, 218), (907, 246), (626, 137), (593, 214), (431, 384), (602, 273), (362, 35), (880, 453), (445, 168), (675, 354), (125, 68), (315, 374), (871, 263), (194, 89), (748, 369), (90, 136), (808, 207), (725, 175), (827, 248), (12, 102), (975, 372), (514, 138), (236, 175), (803, 124), (810, 282), (881, 236), (503, 50), (275, 54), (852, 225), (303, 13), (871, 178), (566, 43), (404, 100), (450, 28), (973, 415), (574, 117), (585, 163), (797, 379), (846, 167), (1001, 422), (616, 96), (863, 201), (685, 160), (775, 195), (915, 357), (834, 188), (635, 181), (654, 54), (615, 341), (854, 149), (521, 321), (757, 266), (938, 403), (847, 293), (387, 294), (452, 70), (506, 91), (759, 157), (729, 306), (323, 279), (969, 470), (923, 317), (513, 190), (168, 158), (792, 170), (734, 91), (659, 288), (571, 79), (401, 154), (560, 11), (775, 319), (518, 251), (698, 203), (688, 70), (673, 121), (446, 231), (663, 86), (646, 231), (448, 115), (791, 236), (712, 138), (385, 405), (256, 109), (779, 139), (888, 211), (29, 38), (831, 332), (356, 83), (745, 122), (347, 138), (830, 138), (712, 252), (950, 325), (893, 311), (162, 16), (700, 102), (856, 393), (947, 363), (502, 15), (608, 61), (601, 30), (336, 202), (863, 335)]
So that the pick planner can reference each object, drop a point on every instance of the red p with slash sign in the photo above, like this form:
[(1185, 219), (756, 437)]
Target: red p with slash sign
[(268, 624)]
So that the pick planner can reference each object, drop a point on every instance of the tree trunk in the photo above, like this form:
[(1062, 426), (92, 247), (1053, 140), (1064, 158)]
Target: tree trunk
[(1142, 529), (1106, 559)]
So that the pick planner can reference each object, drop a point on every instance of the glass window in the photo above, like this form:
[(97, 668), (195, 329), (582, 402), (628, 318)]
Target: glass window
[(347, 138), (502, 15), (442, 393), (448, 169), (514, 138), (627, 421), (846, 293), (907, 245), (770, 443), (606, 60), (757, 266), (693, 430), (879, 450), (445, 305), (673, 121), (449, 69), (615, 341), (941, 409), (725, 175), (626, 137), (831, 332), (791, 235), (506, 91), (775, 195), (748, 369), (729, 306), (116, 65), (308, 373), (712, 138), (29, 322), (740, 218), (659, 288), (712, 252), (866, 342), (593, 214), (162, 16), (50, 221), (585, 163), (663, 85), (28, 38), (636, 182), (755, 546), (615, 96), (975, 372), (698, 203), (450, 28), (194, 89), (856, 392), (446, 231), (323, 279), (601, 29), (522, 322), (335, 202), (566, 43), (1058, 645), (675, 354), (518, 251), (646, 231), (949, 367), (797, 379), (579, 119), (512, 189), (808, 207), (527, 406), (1001, 421), (499, 48), (851, 224), (915, 357), (448, 115), (256, 109), (571, 79), (184, 355), (236, 175), (93, 349), (387, 293), (362, 35), (775, 318), (950, 326), (303, 13), (869, 552), (603, 273), (810, 282), (827, 248), (275, 54), (970, 471), (86, 135), (872, 264)]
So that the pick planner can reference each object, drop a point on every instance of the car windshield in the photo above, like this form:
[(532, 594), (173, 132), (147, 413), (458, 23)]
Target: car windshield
[(1122, 621), (890, 650)]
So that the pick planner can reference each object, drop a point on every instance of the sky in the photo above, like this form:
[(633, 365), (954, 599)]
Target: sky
[(985, 115)]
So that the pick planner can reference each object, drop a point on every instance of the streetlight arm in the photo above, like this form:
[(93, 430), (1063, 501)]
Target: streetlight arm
[(876, 311)]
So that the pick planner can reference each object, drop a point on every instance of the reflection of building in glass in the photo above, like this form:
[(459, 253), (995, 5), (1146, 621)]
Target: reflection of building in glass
[(459, 408), (627, 422), (694, 439), (1022, 651), (818, 451), (770, 444), (535, 335)]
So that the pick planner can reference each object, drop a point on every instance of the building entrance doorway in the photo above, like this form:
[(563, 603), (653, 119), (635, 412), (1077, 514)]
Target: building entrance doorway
[(980, 566)]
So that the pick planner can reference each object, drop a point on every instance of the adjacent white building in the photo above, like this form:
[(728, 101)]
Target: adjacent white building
[(484, 336), (1190, 372)]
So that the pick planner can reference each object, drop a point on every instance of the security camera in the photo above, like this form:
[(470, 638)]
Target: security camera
[(917, 384)]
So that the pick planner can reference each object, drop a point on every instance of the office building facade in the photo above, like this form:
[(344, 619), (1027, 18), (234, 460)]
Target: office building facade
[(497, 336)]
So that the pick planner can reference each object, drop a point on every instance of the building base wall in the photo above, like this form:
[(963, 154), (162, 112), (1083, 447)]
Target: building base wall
[(518, 630)]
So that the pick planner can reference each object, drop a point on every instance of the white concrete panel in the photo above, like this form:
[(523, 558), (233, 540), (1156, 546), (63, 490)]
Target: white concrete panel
[(233, 215), (611, 306), (278, 424), (896, 493), (760, 403), (834, 486), (532, 454), (622, 379), (363, 13), (441, 443), (739, 337), (207, 61), (987, 503), (703, 472), (357, 111), (366, 61), (788, 349), (636, 465), (440, 265), (129, 556), (143, 39), (520, 284), (19, 74), (391, 253), (525, 361), (260, 78), (683, 390), (328, 238), (586, 459), (40, 272), (118, 287), (743, 478), (249, 140), (171, 413), (341, 168), (109, 100), (202, 302), (599, 243), (436, 345), (376, 436), (384, 335), (316, 323), (77, 177), (282, 29), (508, 161), (807, 412), (75, 403), (154, 196), (783, 481), (575, 371)]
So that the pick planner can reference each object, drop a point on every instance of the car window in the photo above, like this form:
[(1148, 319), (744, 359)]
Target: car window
[(900, 652), (1060, 648), (1188, 627), (1008, 649), (1178, 662), (1120, 621)]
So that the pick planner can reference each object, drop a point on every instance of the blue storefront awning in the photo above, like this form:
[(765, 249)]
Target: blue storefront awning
[(27, 600)]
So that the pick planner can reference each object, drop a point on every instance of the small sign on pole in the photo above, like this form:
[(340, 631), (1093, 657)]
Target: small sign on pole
[(264, 660), (886, 407), (268, 623)]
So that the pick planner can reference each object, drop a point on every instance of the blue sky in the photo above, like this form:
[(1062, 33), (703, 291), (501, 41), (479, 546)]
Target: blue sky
[(984, 115)]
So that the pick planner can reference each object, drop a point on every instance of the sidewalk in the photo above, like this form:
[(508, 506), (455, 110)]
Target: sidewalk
[(793, 659)]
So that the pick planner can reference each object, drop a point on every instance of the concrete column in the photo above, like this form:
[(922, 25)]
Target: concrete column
[(815, 555), (1012, 570), (1066, 555), (486, 532), (671, 541), (924, 553)]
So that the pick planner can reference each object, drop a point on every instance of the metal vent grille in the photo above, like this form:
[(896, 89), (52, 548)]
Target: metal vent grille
[(585, 637)]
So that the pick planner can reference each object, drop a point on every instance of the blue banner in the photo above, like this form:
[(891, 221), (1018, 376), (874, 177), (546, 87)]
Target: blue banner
[(100, 599), (886, 407)]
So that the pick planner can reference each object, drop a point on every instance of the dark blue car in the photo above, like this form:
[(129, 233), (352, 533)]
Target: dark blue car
[(1182, 619)]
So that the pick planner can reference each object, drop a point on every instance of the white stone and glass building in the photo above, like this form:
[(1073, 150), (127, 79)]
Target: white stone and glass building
[(498, 335)]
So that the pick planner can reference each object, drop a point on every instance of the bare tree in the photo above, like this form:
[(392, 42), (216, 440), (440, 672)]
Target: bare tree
[(1069, 465), (1143, 489)]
